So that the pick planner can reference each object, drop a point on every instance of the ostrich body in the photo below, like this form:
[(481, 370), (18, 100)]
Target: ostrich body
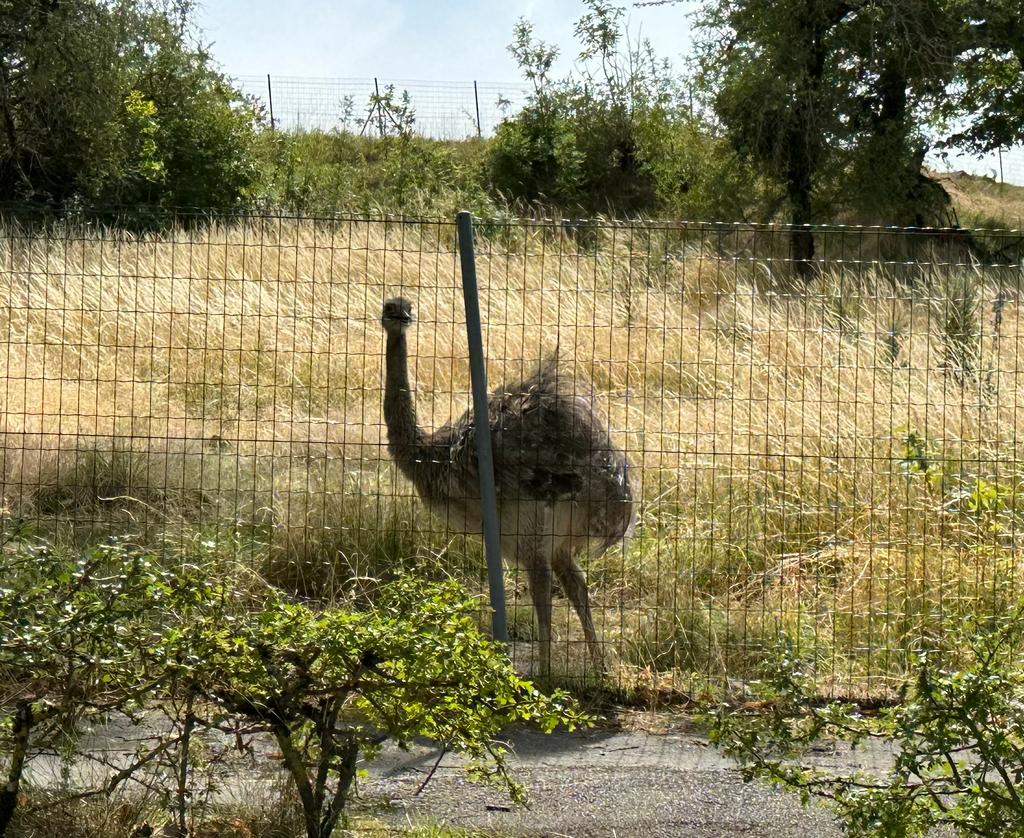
[(562, 485)]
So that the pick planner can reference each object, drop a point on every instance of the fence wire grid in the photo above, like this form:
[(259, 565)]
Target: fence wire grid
[(460, 110), (833, 453), (444, 110)]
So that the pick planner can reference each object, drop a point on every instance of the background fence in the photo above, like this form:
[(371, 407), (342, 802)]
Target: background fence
[(835, 457), (444, 110)]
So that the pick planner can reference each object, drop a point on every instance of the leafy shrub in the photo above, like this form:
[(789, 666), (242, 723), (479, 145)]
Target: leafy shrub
[(127, 111), (331, 685), (957, 736), (72, 635), (617, 138), (110, 631), (320, 172), (576, 144)]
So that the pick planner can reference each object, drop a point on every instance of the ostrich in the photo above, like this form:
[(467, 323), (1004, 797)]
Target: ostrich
[(562, 484)]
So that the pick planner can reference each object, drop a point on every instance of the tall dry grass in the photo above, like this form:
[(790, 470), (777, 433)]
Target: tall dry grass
[(808, 461)]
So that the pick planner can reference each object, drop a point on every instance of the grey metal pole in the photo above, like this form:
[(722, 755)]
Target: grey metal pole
[(270, 99), (377, 105), (484, 453), (476, 101)]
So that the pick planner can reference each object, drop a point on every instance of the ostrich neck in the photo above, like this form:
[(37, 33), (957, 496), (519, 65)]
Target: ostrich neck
[(406, 442)]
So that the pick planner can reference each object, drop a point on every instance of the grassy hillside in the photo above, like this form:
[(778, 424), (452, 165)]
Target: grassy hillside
[(982, 202), (317, 173), (842, 464)]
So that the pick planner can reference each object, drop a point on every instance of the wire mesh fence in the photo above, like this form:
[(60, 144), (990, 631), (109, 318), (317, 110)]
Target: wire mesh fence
[(443, 110), (732, 447), (458, 110)]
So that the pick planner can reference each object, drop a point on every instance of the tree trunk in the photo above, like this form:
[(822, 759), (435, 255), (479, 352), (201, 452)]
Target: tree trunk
[(804, 148), (296, 768), (348, 756), (798, 191)]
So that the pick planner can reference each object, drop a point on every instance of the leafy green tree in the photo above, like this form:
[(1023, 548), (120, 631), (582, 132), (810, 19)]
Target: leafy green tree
[(838, 101), (59, 107), (115, 103), (983, 108), (617, 135), (73, 631), (330, 685), (111, 631), (586, 143)]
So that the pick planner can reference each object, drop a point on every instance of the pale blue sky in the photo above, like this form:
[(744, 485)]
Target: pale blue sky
[(407, 39)]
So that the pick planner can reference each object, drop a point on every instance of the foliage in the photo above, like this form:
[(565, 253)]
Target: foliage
[(838, 103), (331, 685), (826, 102), (322, 172), (109, 630), (615, 137), (127, 111), (983, 108), (957, 735), (72, 635)]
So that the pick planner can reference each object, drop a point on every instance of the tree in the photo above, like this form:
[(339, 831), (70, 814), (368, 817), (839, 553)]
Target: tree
[(115, 103), (768, 83), (72, 635), (614, 135), (330, 685), (983, 108), (60, 94), (109, 630), (837, 100), (957, 738)]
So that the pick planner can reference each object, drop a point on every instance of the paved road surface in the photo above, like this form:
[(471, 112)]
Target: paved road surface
[(603, 782)]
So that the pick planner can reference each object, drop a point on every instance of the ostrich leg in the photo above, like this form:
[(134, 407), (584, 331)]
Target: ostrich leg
[(538, 569), (575, 584)]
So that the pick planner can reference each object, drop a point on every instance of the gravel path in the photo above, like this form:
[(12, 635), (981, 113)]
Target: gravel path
[(601, 782)]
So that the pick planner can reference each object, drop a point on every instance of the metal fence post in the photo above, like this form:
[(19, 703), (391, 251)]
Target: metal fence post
[(485, 456), (270, 100), (476, 101), (377, 105)]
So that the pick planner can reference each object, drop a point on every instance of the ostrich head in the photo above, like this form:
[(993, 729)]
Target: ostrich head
[(396, 316)]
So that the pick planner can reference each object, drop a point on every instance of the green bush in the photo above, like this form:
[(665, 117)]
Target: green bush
[(111, 630), (73, 630), (320, 172), (577, 144), (330, 685), (127, 111), (395, 171), (618, 138), (956, 737)]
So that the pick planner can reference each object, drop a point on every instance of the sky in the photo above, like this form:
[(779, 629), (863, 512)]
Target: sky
[(406, 39)]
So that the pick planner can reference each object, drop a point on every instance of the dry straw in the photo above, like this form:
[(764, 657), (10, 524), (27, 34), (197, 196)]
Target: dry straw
[(817, 462)]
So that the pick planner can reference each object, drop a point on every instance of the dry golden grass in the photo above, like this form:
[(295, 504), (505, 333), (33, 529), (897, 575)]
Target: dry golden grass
[(984, 201), (225, 383)]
